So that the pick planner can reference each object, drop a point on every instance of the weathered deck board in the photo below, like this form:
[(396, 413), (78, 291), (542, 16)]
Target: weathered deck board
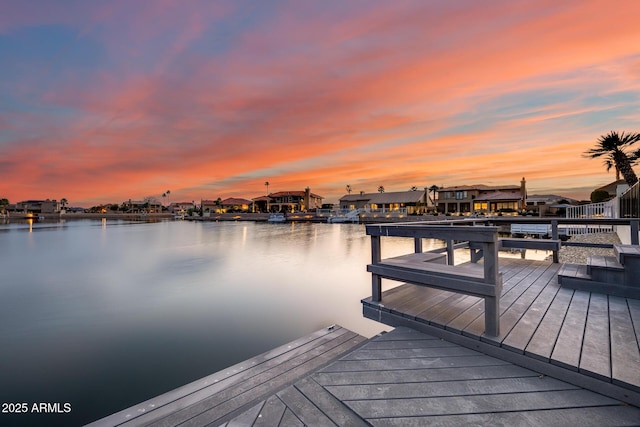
[(596, 355), (520, 335), (271, 412), (634, 311), (448, 388), (625, 354), (422, 375), (566, 352), (489, 403), (329, 404), (546, 335), (590, 417), (304, 409)]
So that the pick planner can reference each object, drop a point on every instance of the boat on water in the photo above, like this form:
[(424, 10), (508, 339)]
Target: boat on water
[(277, 217), (352, 216)]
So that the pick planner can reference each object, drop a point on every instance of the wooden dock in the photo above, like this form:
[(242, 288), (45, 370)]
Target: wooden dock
[(219, 397), (401, 378), (589, 339)]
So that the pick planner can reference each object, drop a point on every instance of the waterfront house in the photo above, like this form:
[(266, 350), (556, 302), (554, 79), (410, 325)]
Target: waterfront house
[(288, 201), (412, 201), (235, 204), (210, 207), (467, 199), (148, 205), (543, 204), (181, 208), (39, 207), (615, 188)]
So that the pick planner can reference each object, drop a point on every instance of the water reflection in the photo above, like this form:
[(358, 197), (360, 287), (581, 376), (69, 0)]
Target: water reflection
[(130, 310), (112, 306)]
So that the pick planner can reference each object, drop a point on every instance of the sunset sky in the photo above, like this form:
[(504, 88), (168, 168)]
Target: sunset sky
[(105, 101)]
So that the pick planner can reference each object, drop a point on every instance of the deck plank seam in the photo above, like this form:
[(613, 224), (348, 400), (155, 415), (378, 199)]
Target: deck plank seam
[(635, 320), (564, 317), (538, 322), (537, 286)]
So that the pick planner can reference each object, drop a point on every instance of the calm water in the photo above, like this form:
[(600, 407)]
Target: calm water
[(104, 315)]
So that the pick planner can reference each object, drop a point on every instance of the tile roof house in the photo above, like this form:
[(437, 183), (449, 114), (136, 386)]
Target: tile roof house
[(466, 199), (412, 200), (288, 201)]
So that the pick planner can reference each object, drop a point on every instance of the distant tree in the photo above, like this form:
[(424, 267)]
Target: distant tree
[(4, 202), (164, 195), (381, 189), (598, 196), (434, 189), (64, 202), (613, 147), (414, 188), (348, 189), (114, 207)]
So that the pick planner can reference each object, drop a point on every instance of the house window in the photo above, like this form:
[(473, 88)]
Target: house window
[(480, 206), (461, 195)]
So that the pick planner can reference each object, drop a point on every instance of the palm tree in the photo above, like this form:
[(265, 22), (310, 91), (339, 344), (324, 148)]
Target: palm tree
[(381, 189), (63, 202), (168, 192), (433, 189), (348, 189), (164, 195), (613, 147)]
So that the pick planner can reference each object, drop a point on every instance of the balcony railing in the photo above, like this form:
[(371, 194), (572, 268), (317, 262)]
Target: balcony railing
[(630, 202)]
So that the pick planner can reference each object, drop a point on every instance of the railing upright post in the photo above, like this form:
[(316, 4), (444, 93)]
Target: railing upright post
[(634, 232), (450, 251), (417, 244), (492, 276), (554, 236), (376, 281)]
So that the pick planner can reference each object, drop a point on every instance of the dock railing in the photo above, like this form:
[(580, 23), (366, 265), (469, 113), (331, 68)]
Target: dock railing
[(424, 269), (627, 228)]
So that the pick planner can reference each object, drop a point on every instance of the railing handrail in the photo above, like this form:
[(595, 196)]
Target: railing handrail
[(633, 223), (525, 220), (422, 230)]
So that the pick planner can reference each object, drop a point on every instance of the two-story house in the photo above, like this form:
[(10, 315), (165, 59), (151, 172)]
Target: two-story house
[(467, 199), (288, 201)]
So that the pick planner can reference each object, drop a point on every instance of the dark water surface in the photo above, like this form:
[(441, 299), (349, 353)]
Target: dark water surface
[(104, 315)]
